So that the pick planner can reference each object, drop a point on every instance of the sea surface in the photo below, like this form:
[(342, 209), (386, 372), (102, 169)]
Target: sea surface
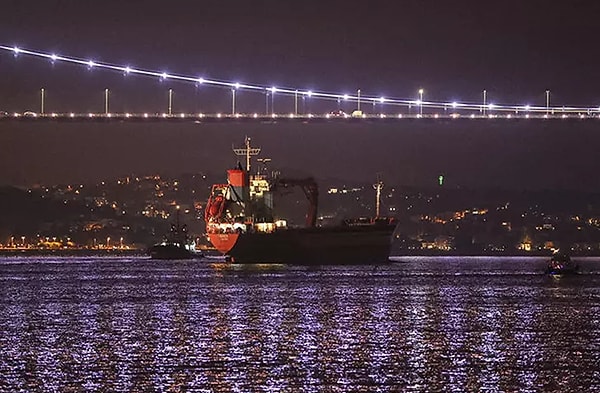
[(460, 324)]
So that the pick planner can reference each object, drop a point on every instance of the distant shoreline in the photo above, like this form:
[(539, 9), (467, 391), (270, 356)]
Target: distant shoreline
[(143, 253), (539, 254), (71, 252)]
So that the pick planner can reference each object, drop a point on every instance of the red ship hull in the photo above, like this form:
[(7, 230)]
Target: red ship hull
[(309, 246)]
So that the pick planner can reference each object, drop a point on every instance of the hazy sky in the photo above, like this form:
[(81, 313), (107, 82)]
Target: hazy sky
[(453, 49), (516, 50), (468, 153)]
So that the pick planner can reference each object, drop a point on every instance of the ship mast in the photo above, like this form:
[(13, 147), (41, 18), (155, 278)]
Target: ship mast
[(378, 186), (247, 151), (264, 162)]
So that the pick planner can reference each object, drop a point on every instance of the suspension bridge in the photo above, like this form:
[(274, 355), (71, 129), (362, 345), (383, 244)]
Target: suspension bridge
[(358, 107)]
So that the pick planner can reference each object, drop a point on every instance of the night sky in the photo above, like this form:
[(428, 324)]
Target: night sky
[(516, 50)]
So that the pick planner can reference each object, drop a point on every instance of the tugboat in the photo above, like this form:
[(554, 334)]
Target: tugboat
[(242, 223), (561, 263), (177, 245)]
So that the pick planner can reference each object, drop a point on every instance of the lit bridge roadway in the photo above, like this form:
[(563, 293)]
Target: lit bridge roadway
[(272, 118)]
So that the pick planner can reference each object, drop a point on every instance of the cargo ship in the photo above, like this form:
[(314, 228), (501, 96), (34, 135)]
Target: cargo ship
[(242, 223)]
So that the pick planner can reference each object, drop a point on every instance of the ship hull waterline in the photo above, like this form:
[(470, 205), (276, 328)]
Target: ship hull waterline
[(309, 246)]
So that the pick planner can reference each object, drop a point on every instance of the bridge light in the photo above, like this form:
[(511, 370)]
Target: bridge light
[(589, 111)]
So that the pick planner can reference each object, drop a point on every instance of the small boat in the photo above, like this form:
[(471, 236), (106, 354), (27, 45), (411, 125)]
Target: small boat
[(561, 264), (177, 245)]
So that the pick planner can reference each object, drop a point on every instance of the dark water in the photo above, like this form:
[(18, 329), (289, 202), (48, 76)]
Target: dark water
[(427, 324)]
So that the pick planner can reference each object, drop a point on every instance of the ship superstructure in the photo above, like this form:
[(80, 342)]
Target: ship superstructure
[(246, 202)]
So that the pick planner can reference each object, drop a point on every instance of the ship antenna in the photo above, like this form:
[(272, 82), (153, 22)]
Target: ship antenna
[(264, 162), (378, 186), (247, 151)]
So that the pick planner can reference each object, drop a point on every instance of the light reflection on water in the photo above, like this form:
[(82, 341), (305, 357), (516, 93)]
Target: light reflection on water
[(424, 324)]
